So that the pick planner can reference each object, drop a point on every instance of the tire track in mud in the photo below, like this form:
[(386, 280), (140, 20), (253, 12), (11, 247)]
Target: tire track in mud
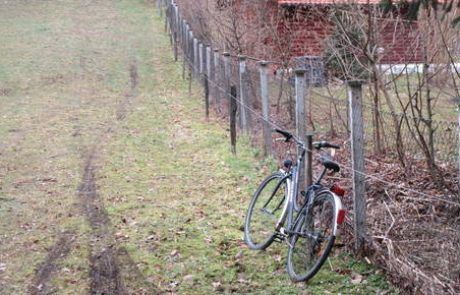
[(122, 109), (105, 270), (47, 270)]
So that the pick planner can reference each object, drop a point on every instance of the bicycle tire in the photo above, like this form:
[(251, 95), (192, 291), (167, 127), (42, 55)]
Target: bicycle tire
[(264, 211), (307, 252)]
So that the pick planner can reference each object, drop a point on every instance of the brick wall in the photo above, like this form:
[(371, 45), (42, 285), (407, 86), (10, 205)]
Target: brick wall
[(400, 41), (274, 32), (306, 32)]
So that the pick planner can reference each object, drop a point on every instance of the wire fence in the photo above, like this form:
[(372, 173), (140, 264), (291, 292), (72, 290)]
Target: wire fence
[(403, 216)]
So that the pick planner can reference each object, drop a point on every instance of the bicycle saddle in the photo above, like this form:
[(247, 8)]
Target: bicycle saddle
[(329, 164)]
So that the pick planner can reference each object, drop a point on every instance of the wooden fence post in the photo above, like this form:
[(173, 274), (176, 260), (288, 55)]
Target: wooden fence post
[(208, 67), (195, 57), (179, 26), (300, 121), (230, 94), (457, 101), (357, 157), (191, 56), (200, 58), (244, 96), (309, 159), (216, 78), (206, 95), (233, 108), (176, 14), (175, 46), (183, 31), (174, 30), (265, 108), (226, 76), (184, 47), (166, 18), (160, 7)]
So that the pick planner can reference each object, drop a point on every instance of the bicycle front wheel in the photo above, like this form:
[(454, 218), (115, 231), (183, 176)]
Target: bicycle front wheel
[(264, 212), (313, 238)]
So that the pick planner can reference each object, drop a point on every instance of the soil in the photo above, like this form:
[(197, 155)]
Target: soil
[(104, 270), (44, 274)]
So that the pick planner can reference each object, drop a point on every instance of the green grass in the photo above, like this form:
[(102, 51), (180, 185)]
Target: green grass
[(175, 194), (173, 179)]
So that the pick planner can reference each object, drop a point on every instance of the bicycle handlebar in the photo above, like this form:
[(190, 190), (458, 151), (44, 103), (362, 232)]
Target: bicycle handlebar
[(286, 134), (324, 144), (317, 144)]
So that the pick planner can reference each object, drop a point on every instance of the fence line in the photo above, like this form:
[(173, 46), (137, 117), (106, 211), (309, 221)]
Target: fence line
[(266, 119), (234, 86), (246, 106), (235, 89)]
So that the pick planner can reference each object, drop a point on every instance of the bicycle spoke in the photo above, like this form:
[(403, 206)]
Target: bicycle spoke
[(265, 211), (312, 239)]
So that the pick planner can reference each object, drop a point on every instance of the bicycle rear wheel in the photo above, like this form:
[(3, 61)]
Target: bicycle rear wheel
[(313, 238), (265, 210)]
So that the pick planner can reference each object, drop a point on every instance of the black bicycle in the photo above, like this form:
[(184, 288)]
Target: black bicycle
[(307, 220)]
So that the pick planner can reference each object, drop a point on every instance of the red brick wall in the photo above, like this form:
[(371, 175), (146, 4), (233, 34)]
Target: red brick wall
[(400, 41), (298, 32), (306, 32)]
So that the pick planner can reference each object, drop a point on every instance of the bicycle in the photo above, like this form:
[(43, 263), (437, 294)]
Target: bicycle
[(308, 220)]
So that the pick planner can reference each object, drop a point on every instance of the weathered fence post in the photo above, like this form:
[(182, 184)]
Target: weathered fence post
[(208, 66), (206, 95), (191, 57), (233, 108), (166, 18), (457, 101), (265, 108), (244, 96), (175, 45), (226, 76), (160, 8), (200, 58), (217, 74), (230, 94), (309, 159), (195, 57), (175, 29), (179, 27), (357, 157), (183, 31), (176, 14), (184, 44), (300, 121)]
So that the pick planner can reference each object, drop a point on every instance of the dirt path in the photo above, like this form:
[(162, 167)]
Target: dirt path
[(47, 270), (63, 113)]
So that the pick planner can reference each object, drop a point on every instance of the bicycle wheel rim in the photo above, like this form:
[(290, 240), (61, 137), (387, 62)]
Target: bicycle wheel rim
[(264, 211), (308, 251)]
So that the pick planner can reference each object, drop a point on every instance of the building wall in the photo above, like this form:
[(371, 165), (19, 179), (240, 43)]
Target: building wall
[(401, 43), (266, 30), (305, 31), (308, 29)]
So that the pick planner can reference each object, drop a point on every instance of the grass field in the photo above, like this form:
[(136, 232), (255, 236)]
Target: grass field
[(111, 180)]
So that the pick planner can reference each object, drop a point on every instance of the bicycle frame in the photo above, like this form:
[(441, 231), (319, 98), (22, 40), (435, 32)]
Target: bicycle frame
[(305, 214), (292, 178)]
